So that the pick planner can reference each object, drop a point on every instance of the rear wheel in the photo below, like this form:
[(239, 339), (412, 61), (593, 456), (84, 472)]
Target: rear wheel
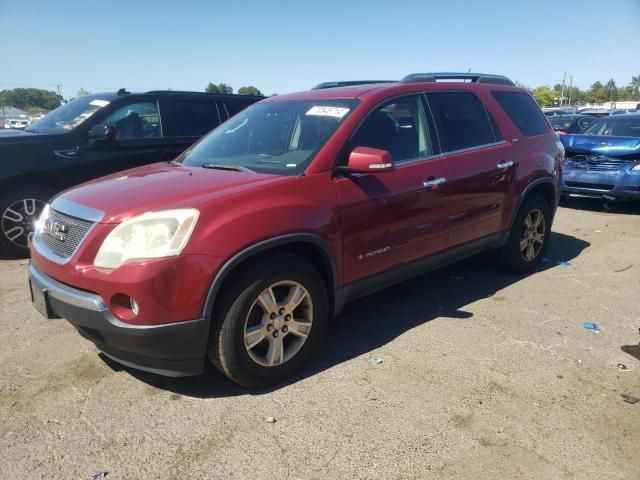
[(269, 321), (529, 237), (20, 208)]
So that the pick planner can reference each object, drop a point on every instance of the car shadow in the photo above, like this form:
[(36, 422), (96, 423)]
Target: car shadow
[(368, 323), (626, 207)]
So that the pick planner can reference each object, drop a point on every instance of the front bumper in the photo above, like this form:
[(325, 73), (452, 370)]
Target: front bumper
[(172, 349), (617, 184)]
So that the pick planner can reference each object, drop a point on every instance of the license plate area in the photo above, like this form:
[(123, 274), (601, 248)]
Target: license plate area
[(40, 300)]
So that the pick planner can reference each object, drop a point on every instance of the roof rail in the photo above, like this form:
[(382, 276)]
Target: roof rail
[(443, 76), (196, 93), (348, 83)]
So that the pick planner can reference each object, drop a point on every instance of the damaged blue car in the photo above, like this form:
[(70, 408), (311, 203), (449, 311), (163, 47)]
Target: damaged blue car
[(604, 161)]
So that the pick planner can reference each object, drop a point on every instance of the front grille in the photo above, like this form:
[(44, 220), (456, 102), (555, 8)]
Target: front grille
[(593, 186), (77, 229), (595, 164)]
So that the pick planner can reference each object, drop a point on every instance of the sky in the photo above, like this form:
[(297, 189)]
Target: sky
[(285, 46)]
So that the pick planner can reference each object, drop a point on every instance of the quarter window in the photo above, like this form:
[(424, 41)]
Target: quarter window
[(461, 120), (136, 120), (523, 111), (400, 127)]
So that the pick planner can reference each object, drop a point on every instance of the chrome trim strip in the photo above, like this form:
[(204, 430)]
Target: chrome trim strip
[(66, 294), (476, 147), (74, 209)]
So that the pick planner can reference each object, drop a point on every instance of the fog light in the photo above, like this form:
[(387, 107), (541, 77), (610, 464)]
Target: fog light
[(124, 307)]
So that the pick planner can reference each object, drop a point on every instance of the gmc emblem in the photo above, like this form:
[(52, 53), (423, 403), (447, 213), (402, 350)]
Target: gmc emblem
[(58, 230)]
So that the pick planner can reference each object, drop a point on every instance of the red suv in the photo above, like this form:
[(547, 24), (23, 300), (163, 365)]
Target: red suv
[(244, 246)]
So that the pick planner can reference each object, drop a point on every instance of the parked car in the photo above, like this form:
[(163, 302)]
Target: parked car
[(604, 161), (92, 136), (243, 247), (564, 124), (16, 123), (552, 112)]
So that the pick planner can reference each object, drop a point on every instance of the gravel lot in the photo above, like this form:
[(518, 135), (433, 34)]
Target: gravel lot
[(483, 375)]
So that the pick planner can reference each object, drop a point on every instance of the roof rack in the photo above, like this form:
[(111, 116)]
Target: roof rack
[(348, 83), (456, 76)]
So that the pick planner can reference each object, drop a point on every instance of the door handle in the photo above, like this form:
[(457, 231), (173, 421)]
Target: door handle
[(505, 164), (433, 182)]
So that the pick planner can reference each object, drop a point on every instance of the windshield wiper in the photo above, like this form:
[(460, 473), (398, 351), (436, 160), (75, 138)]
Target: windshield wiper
[(223, 166)]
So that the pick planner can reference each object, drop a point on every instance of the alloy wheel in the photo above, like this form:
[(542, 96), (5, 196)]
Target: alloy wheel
[(533, 233), (278, 323), (19, 220)]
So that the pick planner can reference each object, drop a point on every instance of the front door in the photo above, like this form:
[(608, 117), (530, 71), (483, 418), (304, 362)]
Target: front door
[(138, 140), (393, 218)]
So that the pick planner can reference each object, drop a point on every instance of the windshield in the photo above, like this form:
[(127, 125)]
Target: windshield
[(619, 127), (274, 137), (68, 116)]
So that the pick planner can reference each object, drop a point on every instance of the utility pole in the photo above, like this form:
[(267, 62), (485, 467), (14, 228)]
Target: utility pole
[(564, 78), (570, 88)]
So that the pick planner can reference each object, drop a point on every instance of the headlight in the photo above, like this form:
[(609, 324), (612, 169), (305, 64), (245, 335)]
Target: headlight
[(150, 235), (636, 167)]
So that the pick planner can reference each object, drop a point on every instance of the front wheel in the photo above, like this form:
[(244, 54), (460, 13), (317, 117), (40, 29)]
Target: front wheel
[(529, 237), (20, 208), (269, 321)]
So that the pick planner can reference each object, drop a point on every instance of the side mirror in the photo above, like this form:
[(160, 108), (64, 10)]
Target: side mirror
[(370, 160), (101, 133)]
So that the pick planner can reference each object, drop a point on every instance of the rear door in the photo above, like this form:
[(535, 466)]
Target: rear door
[(185, 119), (481, 168), (393, 218)]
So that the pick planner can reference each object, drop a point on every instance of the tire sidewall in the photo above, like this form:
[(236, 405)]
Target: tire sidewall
[(515, 258), (249, 372)]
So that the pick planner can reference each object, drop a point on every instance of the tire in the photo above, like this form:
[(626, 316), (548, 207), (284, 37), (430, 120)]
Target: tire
[(20, 207), (513, 257), (238, 308)]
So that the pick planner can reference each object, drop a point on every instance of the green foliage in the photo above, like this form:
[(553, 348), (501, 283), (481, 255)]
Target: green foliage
[(249, 91), (30, 98), (544, 96), (220, 88), (82, 93)]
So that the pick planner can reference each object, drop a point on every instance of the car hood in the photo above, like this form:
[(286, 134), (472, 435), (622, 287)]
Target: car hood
[(12, 132), (159, 186), (614, 147)]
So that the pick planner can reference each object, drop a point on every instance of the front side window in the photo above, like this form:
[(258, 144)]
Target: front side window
[(461, 120), (69, 116), (135, 121), (523, 111), (280, 137), (399, 127)]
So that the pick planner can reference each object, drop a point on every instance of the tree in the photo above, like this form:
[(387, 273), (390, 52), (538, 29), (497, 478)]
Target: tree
[(220, 88), (544, 96), (597, 93), (249, 91), (635, 87), (82, 93), (30, 98), (612, 90)]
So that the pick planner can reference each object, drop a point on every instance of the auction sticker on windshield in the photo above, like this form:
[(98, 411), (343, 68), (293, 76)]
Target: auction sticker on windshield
[(320, 111)]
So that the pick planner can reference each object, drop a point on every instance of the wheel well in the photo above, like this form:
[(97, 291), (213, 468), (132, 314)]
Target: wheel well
[(317, 256), (546, 191)]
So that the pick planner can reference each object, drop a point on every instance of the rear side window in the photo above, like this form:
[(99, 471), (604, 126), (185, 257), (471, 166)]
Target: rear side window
[(523, 111), (461, 120), (190, 117)]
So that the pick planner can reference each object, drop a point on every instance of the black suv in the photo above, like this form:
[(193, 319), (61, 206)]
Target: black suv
[(92, 136)]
